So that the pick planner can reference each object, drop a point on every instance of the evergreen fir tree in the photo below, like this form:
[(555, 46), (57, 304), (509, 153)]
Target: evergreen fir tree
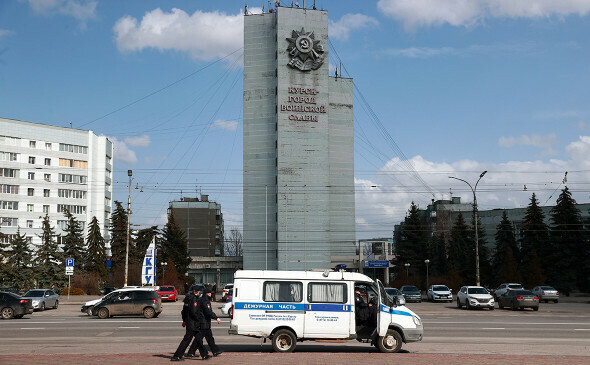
[(175, 245), (73, 242), (461, 252), (3, 258), (437, 254), (570, 240), (96, 254), (118, 239), (49, 261), (534, 239), (19, 260), (508, 270), (505, 239), (413, 246)]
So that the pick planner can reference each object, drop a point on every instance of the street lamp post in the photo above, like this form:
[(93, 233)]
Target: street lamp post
[(164, 264), (427, 261), (129, 173), (474, 189), (407, 265)]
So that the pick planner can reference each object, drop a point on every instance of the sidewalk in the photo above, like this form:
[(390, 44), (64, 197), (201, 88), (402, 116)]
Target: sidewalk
[(255, 358)]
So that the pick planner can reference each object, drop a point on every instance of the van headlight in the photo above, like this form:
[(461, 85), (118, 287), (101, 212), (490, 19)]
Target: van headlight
[(417, 321)]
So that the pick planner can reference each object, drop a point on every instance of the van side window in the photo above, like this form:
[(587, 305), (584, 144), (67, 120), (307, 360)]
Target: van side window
[(282, 291), (327, 293)]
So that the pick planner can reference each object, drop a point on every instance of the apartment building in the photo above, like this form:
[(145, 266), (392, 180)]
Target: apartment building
[(46, 169)]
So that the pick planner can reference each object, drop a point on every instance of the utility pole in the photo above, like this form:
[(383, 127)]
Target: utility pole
[(129, 173)]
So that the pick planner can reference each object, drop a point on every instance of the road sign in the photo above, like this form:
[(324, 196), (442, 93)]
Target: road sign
[(70, 263), (70, 272), (376, 263)]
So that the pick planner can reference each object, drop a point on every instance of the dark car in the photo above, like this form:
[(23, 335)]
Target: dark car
[(144, 302), (411, 293), (199, 287), (519, 299), (14, 306)]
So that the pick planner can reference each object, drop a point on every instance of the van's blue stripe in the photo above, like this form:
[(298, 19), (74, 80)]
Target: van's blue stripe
[(270, 306), (386, 309), (329, 307)]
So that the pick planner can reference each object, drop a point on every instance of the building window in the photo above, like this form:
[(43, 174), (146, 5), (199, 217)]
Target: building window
[(74, 209), (63, 225), (46, 209), (30, 208), (8, 156), (75, 194), (8, 222), (72, 148), (73, 179), (31, 160), (48, 146), (47, 177), (30, 192), (8, 172), (29, 224), (46, 193), (47, 162), (8, 205), (11, 141), (9, 189), (33, 144), (31, 176)]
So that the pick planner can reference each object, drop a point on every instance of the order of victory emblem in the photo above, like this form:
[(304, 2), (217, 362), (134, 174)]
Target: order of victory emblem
[(306, 53)]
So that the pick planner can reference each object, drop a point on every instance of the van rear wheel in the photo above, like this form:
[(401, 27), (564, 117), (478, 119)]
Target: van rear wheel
[(284, 341), (390, 343)]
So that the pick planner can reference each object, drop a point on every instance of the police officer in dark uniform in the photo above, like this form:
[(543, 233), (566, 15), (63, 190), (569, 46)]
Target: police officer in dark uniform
[(205, 314), (191, 322)]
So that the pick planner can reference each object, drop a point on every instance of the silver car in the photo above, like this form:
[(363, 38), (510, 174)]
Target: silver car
[(474, 297), (546, 293), (395, 293), (42, 298)]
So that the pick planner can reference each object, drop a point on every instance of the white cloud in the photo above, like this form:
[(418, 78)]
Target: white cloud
[(122, 151), (81, 10), (425, 13), (141, 141), (349, 22), (383, 199), (203, 35), (5, 32), (420, 52), (546, 142), (227, 125)]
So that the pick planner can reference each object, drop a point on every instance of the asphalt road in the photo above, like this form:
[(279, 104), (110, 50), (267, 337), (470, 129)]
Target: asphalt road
[(561, 329)]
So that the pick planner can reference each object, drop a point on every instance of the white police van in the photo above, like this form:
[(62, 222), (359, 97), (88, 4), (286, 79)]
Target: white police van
[(292, 306)]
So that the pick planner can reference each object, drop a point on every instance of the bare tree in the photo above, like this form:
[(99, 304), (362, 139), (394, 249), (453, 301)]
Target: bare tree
[(234, 243)]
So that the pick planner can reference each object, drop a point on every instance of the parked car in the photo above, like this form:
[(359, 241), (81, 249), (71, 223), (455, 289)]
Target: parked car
[(14, 306), (395, 293), (9, 289), (226, 308), (519, 299), (42, 298), (505, 287), (439, 293), (411, 293), (475, 297), (226, 289), (546, 293), (168, 293), (144, 302)]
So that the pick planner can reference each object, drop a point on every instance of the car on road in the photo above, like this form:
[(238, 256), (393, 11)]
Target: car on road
[(87, 307), (439, 293), (226, 289), (505, 287), (144, 302), (474, 297), (42, 298), (546, 293), (168, 293), (14, 306), (395, 293), (411, 293), (519, 299)]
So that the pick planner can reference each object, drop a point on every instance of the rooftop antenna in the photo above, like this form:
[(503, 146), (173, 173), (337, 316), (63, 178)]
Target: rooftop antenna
[(262, 8), (246, 9), (303, 4), (314, 8), (336, 72)]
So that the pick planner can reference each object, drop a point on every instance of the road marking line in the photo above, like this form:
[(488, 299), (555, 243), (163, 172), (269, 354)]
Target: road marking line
[(33, 328), (581, 329), (129, 327), (493, 328)]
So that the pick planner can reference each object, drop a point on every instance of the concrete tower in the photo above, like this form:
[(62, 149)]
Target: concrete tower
[(298, 144)]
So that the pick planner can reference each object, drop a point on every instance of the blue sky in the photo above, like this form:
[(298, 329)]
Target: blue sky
[(457, 87)]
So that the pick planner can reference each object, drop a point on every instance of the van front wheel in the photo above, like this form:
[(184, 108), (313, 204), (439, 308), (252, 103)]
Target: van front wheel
[(284, 341), (390, 343)]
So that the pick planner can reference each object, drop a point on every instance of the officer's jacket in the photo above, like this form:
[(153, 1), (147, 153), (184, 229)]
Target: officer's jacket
[(205, 312)]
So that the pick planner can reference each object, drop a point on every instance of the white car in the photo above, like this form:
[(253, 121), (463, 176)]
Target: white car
[(475, 297), (226, 289), (439, 293), (503, 288), (226, 309)]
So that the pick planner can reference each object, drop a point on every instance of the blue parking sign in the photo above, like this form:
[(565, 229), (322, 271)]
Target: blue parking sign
[(69, 262)]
